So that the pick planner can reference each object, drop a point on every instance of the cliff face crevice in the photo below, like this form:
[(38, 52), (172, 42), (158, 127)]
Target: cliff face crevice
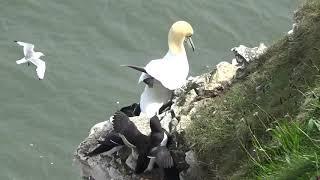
[(186, 103)]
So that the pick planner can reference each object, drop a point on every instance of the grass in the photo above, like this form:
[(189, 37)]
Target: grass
[(292, 153), (237, 135)]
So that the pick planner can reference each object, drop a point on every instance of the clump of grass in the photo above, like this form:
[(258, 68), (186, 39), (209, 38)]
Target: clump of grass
[(292, 153), (294, 149)]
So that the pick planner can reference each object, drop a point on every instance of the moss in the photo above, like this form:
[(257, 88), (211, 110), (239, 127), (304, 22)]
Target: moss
[(275, 88)]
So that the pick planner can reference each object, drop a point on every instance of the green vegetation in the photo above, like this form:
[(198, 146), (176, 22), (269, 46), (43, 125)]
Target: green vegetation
[(292, 154), (266, 126)]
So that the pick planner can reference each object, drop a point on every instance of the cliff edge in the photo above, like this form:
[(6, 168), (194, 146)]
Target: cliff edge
[(255, 117)]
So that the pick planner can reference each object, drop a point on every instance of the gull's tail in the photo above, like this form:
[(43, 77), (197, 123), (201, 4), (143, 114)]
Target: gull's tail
[(21, 61)]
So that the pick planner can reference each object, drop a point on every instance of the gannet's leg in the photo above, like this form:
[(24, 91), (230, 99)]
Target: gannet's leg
[(165, 107)]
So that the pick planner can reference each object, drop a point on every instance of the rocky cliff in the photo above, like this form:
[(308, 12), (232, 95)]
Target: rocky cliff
[(119, 165)]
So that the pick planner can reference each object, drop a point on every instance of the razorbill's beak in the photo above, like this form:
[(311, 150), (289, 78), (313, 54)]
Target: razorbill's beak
[(191, 43)]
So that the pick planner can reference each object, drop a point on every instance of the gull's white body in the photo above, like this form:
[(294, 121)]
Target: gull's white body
[(33, 57)]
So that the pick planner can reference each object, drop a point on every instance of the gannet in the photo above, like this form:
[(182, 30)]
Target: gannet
[(33, 57), (164, 75)]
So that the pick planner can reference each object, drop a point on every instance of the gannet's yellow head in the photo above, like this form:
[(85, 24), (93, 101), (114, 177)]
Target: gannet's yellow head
[(179, 32)]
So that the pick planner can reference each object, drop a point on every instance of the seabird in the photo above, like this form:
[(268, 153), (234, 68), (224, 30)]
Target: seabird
[(151, 149), (132, 138), (162, 76), (34, 57), (124, 132), (159, 153), (112, 142)]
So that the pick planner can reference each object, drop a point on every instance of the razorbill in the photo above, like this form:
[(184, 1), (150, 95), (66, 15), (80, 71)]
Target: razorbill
[(164, 75), (34, 57), (151, 149), (132, 138), (112, 142), (159, 154)]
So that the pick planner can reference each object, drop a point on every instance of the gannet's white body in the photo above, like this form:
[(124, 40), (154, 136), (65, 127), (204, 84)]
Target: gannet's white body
[(169, 73), (153, 98), (33, 57)]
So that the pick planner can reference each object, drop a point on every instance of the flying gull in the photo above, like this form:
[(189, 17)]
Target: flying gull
[(34, 57)]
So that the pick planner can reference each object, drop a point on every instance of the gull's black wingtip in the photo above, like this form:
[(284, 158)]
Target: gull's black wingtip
[(15, 41)]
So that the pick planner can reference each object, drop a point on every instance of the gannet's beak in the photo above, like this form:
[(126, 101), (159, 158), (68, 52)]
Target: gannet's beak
[(191, 43)]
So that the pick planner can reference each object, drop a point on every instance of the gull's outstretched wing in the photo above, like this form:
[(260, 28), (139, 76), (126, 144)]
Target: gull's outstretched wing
[(21, 61), (41, 67), (27, 48)]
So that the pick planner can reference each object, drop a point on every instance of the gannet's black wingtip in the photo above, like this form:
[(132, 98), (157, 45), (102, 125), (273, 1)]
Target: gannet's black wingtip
[(141, 69), (15, 41)]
